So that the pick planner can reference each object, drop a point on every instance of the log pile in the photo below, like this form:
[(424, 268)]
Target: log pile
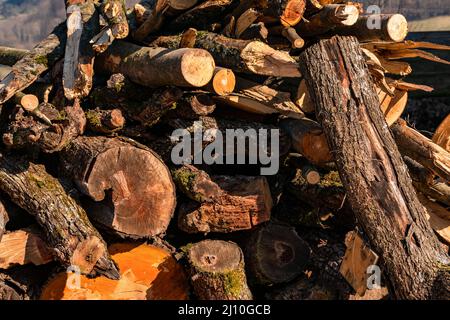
[(100, 191)]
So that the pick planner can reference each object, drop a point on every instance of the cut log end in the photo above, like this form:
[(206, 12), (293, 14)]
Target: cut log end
[(397, 27), (223, 82), (217, 271), (293, 13), (29, 102), (197, 67)]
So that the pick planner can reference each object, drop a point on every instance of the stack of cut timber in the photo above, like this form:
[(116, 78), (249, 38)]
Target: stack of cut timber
[(92, 193)]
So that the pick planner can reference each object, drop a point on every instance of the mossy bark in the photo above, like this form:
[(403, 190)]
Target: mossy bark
[(217, 271), (65, 224)]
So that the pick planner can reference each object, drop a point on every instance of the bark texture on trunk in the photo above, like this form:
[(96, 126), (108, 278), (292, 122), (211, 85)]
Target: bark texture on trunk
[(378, 186)]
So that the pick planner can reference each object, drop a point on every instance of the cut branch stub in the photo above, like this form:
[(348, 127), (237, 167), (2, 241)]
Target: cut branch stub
[(276, 254), (133, 189), (217, 271)]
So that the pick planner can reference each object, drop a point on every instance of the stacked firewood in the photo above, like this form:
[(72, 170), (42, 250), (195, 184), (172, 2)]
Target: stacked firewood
[(94, 207)]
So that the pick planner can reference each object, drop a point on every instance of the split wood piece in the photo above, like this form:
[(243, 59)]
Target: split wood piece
[(155, 67), (10, 56), (421, 149), (303, 100), (114, 12), (78, 71), (308, 139), (223, 82), (21, 247), (438, 216), (105, 121), (392, 106), (134, 193), (425, 182), (240, 55), (384, 27), (66, 227), (10, 290), (412, 53), (4, 218), (327, 196), (256, 31), (357, 261), (291, 34), (228, 203), (40, 59), (442, 134), (328, 18), (200, 16), (256, 98), (373, 173), (246, 20), (275, 254), (217, 271), (146, 273), (192, 106), (188, 38)]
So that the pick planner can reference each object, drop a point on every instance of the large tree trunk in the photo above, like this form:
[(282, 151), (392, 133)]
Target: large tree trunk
[(64, 222), (133, 189), (378, 186)]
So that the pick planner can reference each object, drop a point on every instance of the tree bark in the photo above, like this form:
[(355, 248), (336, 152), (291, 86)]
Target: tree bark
[(217, 271), (155, 67), (132, 188), (28, 69), (240, 55), (372, 171), (64, 222), (227, 203)]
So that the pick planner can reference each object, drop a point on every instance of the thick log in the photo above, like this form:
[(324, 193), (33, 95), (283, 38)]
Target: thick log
[(105, 121), (155, 67), (65, 224), (373, 173), (78, 71), (132, 188), (22, 247), (28, 69), (217, 271), (114, 12), (308, 139), (256, 98), (225, 203), (200, 16), (392, 27), (240, 55), (329, 17), (421, 149), (274, 254), (147, 273)]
